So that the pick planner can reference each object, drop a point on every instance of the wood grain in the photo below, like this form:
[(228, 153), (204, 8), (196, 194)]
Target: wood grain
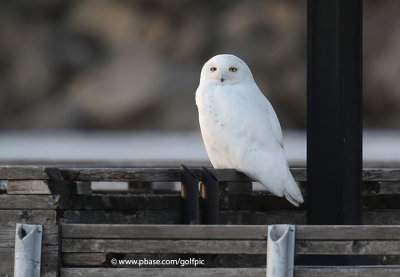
[(303, 247), (34, 202), (28, 187), (163, 272), (158, 174), (300, 271), (84, 259), (219, 260), (165, 246), (227, 232), (122, 217), (153, 174), (236, 217), (8, 172)]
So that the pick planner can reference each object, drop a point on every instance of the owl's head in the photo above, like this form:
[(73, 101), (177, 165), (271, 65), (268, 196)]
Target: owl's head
[(225, 69)]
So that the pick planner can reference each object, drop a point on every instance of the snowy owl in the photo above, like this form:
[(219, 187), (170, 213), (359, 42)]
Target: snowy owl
[(239, 127)]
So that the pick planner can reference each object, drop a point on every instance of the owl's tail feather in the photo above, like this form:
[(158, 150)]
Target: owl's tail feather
[(293, 193)]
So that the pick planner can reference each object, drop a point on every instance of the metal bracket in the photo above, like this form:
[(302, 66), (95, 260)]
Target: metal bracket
[(280, 250), (210, 196), (190, 196), (28, 249)]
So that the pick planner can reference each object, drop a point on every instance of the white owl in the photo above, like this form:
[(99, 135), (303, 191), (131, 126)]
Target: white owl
[(240, 128)]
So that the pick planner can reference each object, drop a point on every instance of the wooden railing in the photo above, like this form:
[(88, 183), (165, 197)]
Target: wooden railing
[(152, 174), (88, 246), (60, 196)]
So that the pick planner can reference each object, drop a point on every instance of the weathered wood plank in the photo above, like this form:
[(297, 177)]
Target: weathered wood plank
[(356, 247), (163, 174), (259, 201), (351, 232), (165, 246), (389, 187), (122, 217), (251, 217), (34, 202), (382, 217), (248, 232), (144, 174), (156, 174), (381, 174), (264, 201), (226, 232), (347, 271), (21, 187), (91, 202), (381, 201), (250, 202), (122, 202), (370, 189), (303, 247), (235, 217), (300, 271), (254, 201), (215, 260), (163, 272), (28, 187), (84, 259), (223, 175), (166, 209), (219, 260), (10, 172), (44, 217), (174, 216)]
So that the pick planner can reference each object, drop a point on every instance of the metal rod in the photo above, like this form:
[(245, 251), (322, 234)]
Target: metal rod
[(190, 196), (210, 196), (334, 100)]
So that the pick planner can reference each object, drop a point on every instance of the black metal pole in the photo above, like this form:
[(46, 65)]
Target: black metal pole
[(334, 100), (210, 196), (190, 196)]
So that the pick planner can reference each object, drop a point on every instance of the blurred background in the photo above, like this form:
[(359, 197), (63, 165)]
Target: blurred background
[(114, 81)]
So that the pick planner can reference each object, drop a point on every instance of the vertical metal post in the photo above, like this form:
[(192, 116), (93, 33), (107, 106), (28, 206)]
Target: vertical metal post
[(334, 93), (190, 196), (28, 248), (210, 196)]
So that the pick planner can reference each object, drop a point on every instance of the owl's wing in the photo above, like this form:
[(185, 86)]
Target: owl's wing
[(273, 120)]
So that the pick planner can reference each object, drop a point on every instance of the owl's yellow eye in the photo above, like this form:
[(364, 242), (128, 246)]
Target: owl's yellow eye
[(233, 69), (213, 69)]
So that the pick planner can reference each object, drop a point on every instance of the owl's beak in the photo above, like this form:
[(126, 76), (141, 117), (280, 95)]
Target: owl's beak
[(222, 79)]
